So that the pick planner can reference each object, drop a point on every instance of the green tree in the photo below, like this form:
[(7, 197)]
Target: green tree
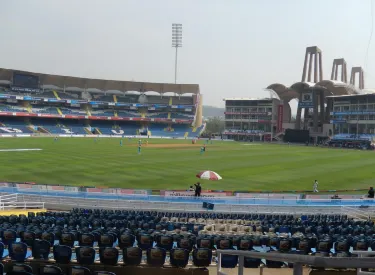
[(214, 125)]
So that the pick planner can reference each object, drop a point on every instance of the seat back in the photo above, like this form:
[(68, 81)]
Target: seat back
[(86, 239), (20, 269), (132, 255), (108, 255), (179, 257), (229, 261), (165, 242), (202, 257), (8, 236), (156, 256), (106, 240), (85, 255), (245, 244), (126, 240), (49, 237), (205, 243), (185, 243), (79, 270), (67, 239), (17, 251), (41, 249), (224, 244), (62, 254), (103, 273), (145, 241), (50, 270), (28, 238)]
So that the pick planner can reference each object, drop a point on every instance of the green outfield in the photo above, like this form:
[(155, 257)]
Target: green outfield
[(172, 164)]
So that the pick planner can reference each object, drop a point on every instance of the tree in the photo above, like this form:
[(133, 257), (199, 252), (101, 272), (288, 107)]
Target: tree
[(214, 125)]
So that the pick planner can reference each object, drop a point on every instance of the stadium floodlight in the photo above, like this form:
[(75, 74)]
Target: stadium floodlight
[(176, 43)]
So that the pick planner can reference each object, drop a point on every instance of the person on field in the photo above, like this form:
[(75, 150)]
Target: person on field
[(120, 142), (139, 149), (315, 187), (371, 193), (198, 189), (202, 150)]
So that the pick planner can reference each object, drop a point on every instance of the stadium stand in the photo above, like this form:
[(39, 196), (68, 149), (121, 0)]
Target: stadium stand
[(158, 106), (97, 237)]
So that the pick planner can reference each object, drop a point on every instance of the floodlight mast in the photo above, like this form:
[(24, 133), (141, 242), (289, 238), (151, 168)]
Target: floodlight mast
[(176, 43)]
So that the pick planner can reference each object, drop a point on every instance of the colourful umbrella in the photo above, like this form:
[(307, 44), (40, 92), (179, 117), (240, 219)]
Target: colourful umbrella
[(208, 175)]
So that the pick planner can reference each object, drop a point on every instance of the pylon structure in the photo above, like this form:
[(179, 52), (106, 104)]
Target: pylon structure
[(359, 71), (310, 99), (313, 56), (335, 66)]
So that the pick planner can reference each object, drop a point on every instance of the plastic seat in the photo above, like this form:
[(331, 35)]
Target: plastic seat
[(179, 257), (67, 239), (28, 238), (50, 270), (49, 237), (165, 242), (103, 273), (106, 240), (145, 241), (132, 255), (79, 270), (85, 255), (17, 251), (185, 243), (126, 240), (62, 254), (86, 239), (202, 257), (41, 249), (20, 269), (108, 255), (8, 236), (156, 256)]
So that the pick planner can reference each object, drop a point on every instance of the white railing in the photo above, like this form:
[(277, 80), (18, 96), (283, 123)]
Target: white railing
[(21, 205), (357, 213), (363, 254), (300, 260), (9, 198)]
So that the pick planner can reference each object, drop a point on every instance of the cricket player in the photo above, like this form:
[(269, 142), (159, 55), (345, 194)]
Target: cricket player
[(202, 150), (120, 142), (139, 149), (315, 187)]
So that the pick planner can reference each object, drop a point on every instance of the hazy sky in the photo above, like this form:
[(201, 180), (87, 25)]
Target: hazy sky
[(231, 48)]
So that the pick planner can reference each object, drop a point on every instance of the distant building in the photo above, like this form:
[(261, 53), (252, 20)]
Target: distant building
[(253, 119)]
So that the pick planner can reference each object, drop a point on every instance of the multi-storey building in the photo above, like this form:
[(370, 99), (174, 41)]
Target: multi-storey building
[(253, 119), (352, 114)]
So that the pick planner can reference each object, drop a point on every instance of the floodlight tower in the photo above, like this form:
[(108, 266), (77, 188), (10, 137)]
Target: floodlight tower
[(176, 43)]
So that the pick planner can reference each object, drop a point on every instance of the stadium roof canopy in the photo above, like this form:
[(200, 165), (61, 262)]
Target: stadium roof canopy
[(331, 87), (102, 84)]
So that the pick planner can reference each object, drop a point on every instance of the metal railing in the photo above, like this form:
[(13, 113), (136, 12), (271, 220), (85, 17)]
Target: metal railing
[(358, 213), (363, 254), (300, 260), (226, 200), (14, 201)]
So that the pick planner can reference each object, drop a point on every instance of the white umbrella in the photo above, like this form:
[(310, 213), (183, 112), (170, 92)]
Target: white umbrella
[(208, 175)]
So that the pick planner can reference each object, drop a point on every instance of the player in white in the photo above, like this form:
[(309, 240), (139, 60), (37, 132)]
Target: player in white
[(315, 187)]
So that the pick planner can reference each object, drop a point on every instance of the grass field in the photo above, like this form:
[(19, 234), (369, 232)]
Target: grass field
[(172, 164)]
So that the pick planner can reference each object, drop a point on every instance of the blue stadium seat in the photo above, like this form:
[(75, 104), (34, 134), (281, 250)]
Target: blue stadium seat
[(86, 239), (126, 240), (179, 257), (202, 257), (8, 236), (108, 255), (41, 249), (79, 270), (62, 254), (28, 238), (132, 255), (51, 270), (20, 269), (156, 256), (85, 255), (17, 251)]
